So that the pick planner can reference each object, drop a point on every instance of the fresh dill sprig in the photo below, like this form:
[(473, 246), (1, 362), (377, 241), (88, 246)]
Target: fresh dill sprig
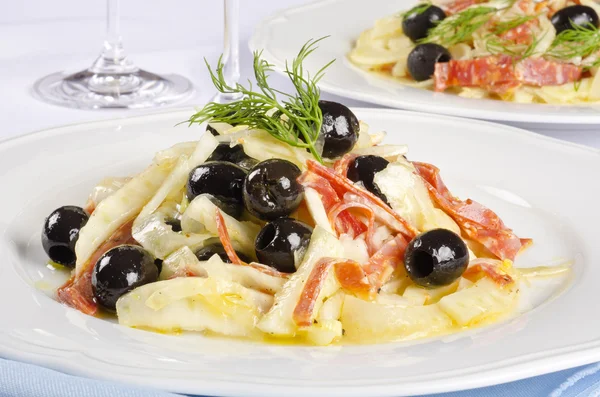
[(460, 27), (497, 45), (585, 69), (295, 120), (580, 41), (503, 27)]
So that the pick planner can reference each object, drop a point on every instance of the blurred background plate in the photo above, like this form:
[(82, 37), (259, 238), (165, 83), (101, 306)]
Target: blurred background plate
[(281, 35)]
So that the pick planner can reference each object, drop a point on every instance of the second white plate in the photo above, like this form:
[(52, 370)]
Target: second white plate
[(281, 36)]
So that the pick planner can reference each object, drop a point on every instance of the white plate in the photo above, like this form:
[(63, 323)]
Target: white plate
[(543, 188), (282, 35)]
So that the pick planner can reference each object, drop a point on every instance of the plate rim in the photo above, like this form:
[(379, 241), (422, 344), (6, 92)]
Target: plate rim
[(579, 354), (260, 37)]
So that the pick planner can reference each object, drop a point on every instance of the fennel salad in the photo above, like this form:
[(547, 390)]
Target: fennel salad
[(524, 51), (287, 219)]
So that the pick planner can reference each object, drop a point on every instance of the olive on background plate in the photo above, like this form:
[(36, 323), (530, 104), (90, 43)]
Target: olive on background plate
[(280, 242), (120, 270), (271, 190), (363, 169), (206, 252), (223, 181), (576, 15), (417, 22), (422, 59), (436, 258), (60, 233), (339, 129)]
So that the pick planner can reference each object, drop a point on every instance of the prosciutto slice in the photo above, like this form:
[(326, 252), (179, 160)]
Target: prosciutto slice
[(499, 73), (77, 292), (478, 222)]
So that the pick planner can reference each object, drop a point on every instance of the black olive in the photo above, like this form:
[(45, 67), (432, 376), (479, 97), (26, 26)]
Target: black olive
[(247, 163), (60, 233), (158, 262), (235, 155), (175, 224), (417, 22), (271, 190), (211, 130), (223, 181), (577, 15), (205, 253), (422, 59), (120, 270), (281, 242), (436, 258), (364, 168), (339, 129)]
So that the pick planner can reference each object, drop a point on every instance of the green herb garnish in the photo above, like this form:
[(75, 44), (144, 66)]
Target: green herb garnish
[(503, 27), (459, 27), (417, 10), (295, 120), (496, 45), (580, 41)]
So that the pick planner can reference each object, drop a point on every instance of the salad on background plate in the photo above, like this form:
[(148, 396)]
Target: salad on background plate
[(524, 51)]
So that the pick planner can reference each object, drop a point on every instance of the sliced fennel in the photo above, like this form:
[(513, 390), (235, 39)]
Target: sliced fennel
[(149, 228), (183, 261), (408, 196), (426, 296), (105, 188), (390, 152), (262, 146), (371, 321), (279, 320), (177, 179), (200, 216), (327, 326), (366, 140), (158, 238), (481, 302), (174, 152), (316, 209), (117, 209), (194, 304)]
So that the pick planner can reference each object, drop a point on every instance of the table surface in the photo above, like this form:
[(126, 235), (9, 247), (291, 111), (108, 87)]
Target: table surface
[(41, 37)]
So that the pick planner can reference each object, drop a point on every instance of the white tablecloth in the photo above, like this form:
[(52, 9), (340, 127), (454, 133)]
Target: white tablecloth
[(39, 37)]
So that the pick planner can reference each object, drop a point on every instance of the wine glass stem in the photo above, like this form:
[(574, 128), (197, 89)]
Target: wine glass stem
[(113, 59), (231, 51), (113, 44), (231, 42)]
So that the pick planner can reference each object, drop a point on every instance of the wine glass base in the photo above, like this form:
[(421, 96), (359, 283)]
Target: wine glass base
[(136, 90)]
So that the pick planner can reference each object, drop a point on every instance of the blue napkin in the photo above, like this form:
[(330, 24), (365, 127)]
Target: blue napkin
[(25, 380)]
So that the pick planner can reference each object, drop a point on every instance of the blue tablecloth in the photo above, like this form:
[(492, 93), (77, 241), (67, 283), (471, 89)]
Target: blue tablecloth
[(25, 380)]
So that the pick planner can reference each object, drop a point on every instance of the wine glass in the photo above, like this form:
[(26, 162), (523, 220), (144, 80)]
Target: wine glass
[(113, 80), (231, 50)]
